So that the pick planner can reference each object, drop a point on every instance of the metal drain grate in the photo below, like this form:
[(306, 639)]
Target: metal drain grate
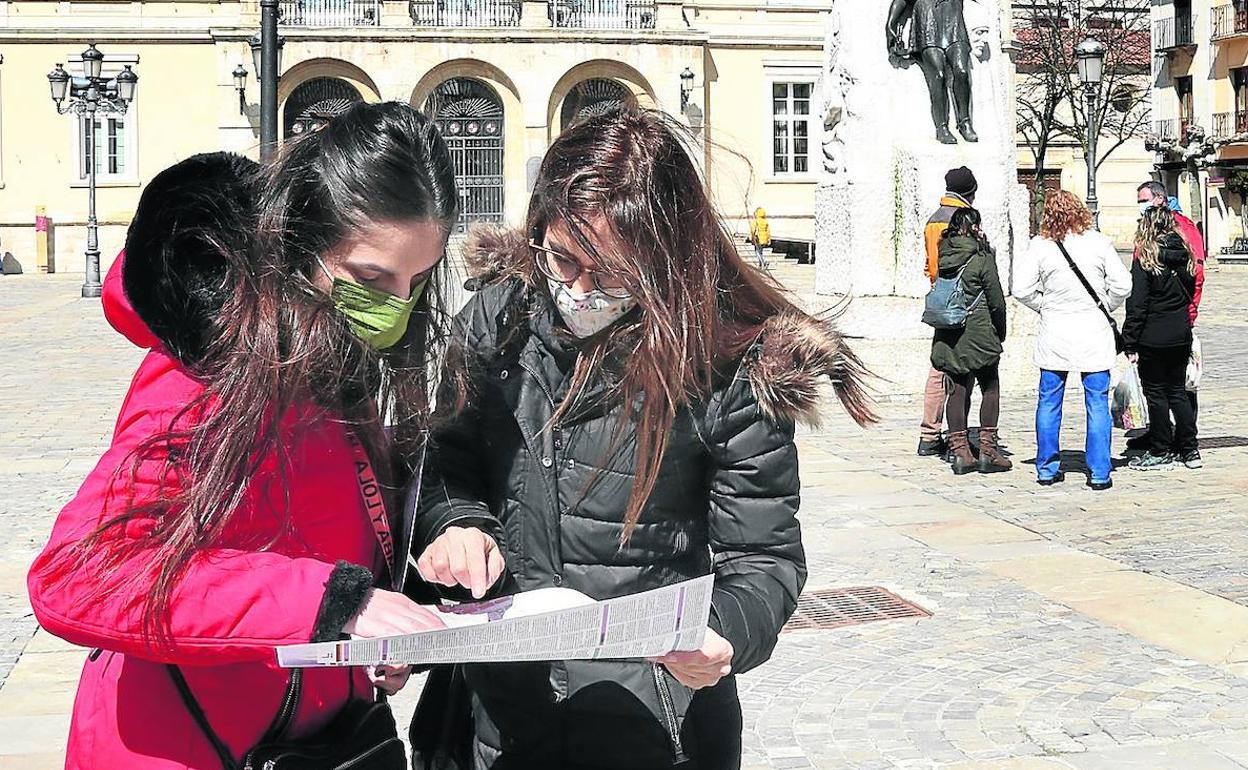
[(838, 607), (1223, 442)]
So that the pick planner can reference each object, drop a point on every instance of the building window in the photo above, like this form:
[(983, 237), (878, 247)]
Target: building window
[(791, 127), (1187, 105), (113, 151)]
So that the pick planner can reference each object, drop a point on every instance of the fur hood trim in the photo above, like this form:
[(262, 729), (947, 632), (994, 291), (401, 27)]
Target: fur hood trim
[(174, 274), (793, 354), (494, 253)]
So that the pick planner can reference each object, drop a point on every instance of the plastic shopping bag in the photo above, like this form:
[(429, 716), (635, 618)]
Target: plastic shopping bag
[(1129, 410), (1195, 365)]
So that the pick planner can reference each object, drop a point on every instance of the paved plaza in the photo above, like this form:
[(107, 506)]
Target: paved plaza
[(1069, 629)]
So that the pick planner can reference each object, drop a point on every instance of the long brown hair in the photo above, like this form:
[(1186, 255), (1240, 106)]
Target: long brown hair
[(278, 343), (700, 305), (1157, 223)]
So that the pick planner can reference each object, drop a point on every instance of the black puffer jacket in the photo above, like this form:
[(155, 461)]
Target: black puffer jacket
[(1157, 310), (725, 502)]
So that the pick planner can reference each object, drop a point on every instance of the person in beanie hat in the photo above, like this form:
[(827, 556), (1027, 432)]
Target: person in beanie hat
[(960, 189)]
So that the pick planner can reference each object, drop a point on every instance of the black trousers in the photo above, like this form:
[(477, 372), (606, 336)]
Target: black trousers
[(1163, 373)]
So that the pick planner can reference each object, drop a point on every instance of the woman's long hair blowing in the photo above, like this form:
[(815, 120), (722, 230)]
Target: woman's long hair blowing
[(278, 341), (1156, 224), (627, 173)]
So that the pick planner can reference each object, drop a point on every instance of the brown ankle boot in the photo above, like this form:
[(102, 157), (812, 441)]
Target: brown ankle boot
[(960, 457), (990, 458)]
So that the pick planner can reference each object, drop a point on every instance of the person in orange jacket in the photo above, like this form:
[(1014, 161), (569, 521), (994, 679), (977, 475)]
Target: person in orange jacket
[(960, 189)]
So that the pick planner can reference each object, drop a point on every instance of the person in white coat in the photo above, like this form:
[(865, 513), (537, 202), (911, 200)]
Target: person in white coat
[(1075, 333)]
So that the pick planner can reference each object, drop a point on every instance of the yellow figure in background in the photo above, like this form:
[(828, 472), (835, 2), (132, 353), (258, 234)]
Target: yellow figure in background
[(760, 235)]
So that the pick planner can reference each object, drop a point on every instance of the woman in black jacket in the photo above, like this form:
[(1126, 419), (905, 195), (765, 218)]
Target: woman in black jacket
[(1158, 336), (618, 415), (972, 353)]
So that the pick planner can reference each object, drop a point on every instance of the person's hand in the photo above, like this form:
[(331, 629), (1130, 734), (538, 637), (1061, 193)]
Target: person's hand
[(462, 556), (386, 613), (704, 667), (1133, 358), (389, 679)]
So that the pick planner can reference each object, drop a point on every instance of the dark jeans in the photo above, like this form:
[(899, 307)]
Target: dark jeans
[(959, 405), (1163, 373)]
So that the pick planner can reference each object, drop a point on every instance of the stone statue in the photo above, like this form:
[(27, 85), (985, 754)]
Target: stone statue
[(940, 43), (834, 87)]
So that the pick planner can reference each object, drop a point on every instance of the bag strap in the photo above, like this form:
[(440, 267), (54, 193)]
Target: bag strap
[(1091, 292), (281, 720), (374, 500), (197, 713)]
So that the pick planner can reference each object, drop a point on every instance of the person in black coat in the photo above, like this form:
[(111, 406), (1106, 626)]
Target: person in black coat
[(1157, 335), (616, 415)]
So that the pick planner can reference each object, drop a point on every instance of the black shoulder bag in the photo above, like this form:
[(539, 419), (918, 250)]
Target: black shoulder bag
[(1113, 325), (363, 736)]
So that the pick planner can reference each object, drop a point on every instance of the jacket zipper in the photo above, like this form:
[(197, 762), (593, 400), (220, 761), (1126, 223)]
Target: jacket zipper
[(669, 711), (285, 715)]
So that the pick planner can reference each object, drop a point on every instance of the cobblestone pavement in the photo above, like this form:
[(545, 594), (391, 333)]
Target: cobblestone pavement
[(1069, 629)]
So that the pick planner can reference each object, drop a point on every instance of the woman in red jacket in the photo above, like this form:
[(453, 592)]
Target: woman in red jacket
[(226, 517)]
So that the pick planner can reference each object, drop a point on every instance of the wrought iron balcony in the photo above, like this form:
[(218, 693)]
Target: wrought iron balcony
[(1230, 20), (330, 13), (1173, 34), (465, 13), (1230, 124), (603, 14), (1166, 130)]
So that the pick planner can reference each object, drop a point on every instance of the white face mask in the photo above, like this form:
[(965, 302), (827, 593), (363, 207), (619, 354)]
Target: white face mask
[(588, 314), (1144, 207)]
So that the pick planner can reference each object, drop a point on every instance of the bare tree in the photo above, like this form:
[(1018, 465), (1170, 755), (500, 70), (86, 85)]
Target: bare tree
[(1042, 31), (1052, 103)]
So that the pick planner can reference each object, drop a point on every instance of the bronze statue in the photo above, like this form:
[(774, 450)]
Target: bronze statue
[(941, 45)]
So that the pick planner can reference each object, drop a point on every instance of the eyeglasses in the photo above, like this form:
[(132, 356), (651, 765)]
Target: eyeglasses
[(565, 270)]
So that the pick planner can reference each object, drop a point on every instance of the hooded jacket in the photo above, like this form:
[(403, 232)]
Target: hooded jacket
[(760, 229), (290, 568), (725, 502), (1158, 310), (935, 230), (978, 344)]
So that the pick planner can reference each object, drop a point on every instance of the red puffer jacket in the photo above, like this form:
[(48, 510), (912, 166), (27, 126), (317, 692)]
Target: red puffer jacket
[(236, 602)]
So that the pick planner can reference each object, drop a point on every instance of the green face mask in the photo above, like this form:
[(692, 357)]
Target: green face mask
[(377, 318)]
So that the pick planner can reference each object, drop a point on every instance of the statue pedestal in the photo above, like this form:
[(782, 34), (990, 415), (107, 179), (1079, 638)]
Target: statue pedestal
[(884, 174)]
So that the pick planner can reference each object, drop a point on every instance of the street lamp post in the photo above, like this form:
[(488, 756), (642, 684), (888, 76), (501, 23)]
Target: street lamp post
[(240, 85), (87, 96), (1090, 57), (268, 68)]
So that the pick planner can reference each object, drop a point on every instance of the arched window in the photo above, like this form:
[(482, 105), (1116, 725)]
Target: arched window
[(593, 97), (469, 115), (313, 103)]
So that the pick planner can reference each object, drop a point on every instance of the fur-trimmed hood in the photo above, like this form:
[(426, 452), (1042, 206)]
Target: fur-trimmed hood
[(170, 282), (794, 353)]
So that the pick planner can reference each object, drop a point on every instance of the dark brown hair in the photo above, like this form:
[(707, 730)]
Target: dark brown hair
[(700, 305), (278, 343)]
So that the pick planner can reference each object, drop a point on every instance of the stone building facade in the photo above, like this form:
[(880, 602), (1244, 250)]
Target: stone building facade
[(501, 77)]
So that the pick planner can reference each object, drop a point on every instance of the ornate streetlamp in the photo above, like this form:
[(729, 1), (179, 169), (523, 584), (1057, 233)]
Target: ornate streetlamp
[(87, 96), (240, 85), (1090, 57)]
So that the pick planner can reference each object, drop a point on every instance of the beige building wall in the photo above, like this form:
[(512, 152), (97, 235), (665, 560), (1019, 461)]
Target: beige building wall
[(184, 52)]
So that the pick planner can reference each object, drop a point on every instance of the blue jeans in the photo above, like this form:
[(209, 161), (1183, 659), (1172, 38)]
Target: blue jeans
[(1049, 423)]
